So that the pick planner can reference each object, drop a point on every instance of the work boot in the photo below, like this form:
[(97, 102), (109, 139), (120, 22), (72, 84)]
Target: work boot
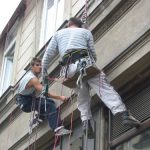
[(88, 130), (60, 131), (129, 120)]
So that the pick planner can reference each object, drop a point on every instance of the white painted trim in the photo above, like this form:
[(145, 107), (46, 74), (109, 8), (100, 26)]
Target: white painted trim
[(56, 11), (44, 27), (43, 24), (4, 65)]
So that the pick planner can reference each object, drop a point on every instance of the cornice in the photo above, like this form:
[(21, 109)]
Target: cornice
[(13, 112), (18, 12), (4, 97), (98, 10), (112, 18), (122, 8), (134, 47)]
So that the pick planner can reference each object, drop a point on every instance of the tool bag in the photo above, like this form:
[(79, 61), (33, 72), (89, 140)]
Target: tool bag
[(77, 67)]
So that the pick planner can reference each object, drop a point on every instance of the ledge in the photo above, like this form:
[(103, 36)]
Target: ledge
[(130, 134)]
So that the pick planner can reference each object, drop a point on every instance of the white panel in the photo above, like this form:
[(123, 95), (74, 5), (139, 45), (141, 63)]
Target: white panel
[(27, 43), (28, 31), (28, 20)]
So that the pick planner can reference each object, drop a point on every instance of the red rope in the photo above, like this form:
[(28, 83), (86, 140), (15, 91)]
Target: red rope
[(71, 122), (69, 61), (58, 119), (31, 119)]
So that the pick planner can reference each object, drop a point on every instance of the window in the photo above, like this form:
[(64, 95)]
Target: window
[(7, 65), (52, 18), (7, 69), (140, 142)]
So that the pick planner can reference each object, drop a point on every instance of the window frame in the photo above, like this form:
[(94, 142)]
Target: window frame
[(4, 63), (130, 134), (43, 35)]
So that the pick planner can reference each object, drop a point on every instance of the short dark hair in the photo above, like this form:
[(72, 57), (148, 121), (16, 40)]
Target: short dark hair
[(76, 21), (35, 60)]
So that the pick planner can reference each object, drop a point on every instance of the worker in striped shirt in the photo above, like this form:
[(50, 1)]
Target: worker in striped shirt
[(76, 40)]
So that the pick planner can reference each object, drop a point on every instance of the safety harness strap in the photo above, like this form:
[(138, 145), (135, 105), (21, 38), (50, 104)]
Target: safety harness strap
[(73, 56)]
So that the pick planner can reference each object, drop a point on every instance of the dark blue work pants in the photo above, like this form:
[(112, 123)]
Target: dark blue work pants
[(28, 104)]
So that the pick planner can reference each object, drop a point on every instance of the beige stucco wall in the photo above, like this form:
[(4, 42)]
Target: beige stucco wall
[(124, 33), (14, 131), (127, 30), (28, 36)]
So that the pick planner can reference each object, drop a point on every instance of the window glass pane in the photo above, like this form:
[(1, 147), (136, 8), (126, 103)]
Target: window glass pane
[(60, 14), (50, 4), (140, 142), (52, 19), (8, 69), (50, 22)]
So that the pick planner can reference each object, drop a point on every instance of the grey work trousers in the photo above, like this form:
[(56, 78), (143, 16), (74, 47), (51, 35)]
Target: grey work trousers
[(105, 92)]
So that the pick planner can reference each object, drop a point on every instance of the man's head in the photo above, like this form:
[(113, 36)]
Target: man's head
[(36, 65), (75, 22)]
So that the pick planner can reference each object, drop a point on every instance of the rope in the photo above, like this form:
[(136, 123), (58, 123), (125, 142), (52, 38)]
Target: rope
[(71, 120), (85, 21), (84, 15), (58, 119), (59, 109), (10, 120), (31, 122), (33, 101), (36, 131), (87, 126)]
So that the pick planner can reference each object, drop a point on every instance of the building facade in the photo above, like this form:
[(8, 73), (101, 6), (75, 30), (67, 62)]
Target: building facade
[(121, 30)]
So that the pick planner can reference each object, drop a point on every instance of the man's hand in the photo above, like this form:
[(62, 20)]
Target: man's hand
[(64, 98)]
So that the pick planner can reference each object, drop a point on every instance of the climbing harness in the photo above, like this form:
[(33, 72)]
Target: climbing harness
[(81, 68), (71, 118), (84, 67)]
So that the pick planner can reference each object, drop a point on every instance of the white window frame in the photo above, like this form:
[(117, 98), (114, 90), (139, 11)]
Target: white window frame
[(43, 36), (4, 63)]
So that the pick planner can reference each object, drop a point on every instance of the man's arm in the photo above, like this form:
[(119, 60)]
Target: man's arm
[(49, 54), (91, 46), (38, 86)]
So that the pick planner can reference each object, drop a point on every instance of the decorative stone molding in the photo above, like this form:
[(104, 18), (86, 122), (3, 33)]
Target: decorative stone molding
[(128, 52), (118, 12)]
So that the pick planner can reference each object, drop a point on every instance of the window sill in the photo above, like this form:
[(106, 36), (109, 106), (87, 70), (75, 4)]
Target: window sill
[(130, 134)]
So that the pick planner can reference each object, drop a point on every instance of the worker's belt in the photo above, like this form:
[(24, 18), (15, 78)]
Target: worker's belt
[(24, 102), (78, 67), (73, 56)]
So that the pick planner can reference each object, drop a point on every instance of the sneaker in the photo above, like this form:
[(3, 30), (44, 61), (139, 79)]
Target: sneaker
[(35, 121), (88, 130), (129, 120), (39, 119), (142, 142), (59, 131)]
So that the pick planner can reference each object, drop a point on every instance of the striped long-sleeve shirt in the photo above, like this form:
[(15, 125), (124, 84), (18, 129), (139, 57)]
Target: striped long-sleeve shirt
[(65, 39)]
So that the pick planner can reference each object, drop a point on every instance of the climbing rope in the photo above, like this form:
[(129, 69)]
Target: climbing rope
[(56, 137), (33, 118), (71, 119), (84, 15), (85, 21)]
